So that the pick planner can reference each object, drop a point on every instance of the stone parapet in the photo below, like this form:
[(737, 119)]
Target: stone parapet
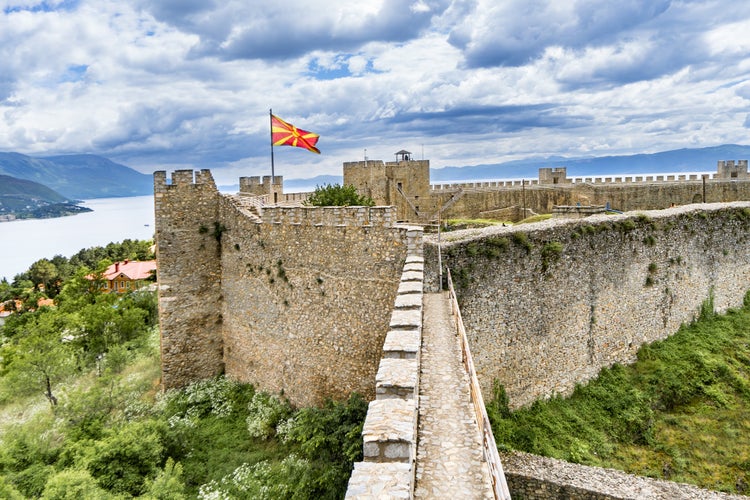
[(330, 216), (390, 429), (539, 478)]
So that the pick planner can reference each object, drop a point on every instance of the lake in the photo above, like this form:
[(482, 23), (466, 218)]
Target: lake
[(23, 242)]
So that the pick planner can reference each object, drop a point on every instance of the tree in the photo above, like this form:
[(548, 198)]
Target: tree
[(337, 195), (38, 358), (44, 275)]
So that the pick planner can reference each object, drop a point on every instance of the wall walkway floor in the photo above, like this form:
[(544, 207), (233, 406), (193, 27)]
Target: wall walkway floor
[(449, 447)]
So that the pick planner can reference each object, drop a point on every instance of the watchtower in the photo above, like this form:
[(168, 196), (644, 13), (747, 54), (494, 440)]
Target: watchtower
[(404, 183), (557, 175), (728, 170), (271, 186)]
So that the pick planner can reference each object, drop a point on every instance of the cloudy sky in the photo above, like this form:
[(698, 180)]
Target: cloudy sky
[(189, 83)]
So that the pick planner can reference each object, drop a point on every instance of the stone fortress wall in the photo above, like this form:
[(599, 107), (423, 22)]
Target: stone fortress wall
[(295, 300), (298, 300), (546, 306), (405, 184), (731, 182)]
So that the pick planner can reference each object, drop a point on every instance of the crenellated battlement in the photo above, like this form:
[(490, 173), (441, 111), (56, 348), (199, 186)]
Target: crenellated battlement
[(253, 183), (331, 216), (181, 178)]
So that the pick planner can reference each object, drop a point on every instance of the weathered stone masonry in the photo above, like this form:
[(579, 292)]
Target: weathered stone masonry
[(296, 301), (547, 306)]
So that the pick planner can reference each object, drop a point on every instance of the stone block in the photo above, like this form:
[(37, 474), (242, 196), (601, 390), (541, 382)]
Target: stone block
[(412, 276), (380, 480), (410, 287), (389, 432), (408, 301), (406, 319), (396, 378), (402, 344)]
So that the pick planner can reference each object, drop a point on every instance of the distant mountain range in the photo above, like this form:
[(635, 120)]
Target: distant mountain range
[(678, 160), (78, 176)]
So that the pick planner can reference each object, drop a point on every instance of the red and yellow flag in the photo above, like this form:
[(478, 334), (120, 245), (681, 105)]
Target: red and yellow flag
[(286, 134)]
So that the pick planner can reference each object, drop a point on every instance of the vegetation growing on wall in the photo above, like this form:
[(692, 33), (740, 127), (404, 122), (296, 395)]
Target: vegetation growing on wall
[(682, 412), (551, 252)]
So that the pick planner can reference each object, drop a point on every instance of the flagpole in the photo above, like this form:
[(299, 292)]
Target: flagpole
[(270, 121)]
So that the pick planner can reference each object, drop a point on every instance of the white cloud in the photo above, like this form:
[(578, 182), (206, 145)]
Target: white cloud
[(182, 83)]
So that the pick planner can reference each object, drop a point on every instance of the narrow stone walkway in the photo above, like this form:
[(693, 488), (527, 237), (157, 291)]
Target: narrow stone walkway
[(449, 447)]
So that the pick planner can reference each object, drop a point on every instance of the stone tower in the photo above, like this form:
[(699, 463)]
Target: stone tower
[(188, 249), (404, 183), (729, 170)]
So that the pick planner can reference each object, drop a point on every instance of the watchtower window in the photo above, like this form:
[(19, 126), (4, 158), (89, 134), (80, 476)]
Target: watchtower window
[(554, 180), (734, 175)]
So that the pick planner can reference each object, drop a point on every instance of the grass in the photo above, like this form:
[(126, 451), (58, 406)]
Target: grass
[(681, 412), (535, 218), (456, 224)]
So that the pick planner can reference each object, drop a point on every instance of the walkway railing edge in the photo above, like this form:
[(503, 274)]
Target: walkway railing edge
[(489, 446)]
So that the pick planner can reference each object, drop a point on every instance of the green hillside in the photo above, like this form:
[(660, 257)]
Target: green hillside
[(23, 199), (78, 176), (681, 412)]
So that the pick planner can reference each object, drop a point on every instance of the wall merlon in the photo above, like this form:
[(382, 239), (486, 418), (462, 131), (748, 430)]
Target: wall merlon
[(397, 378), (182, 177), (330, 216)]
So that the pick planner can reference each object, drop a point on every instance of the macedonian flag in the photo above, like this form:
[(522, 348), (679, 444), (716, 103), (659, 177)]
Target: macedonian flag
[(286, 134)]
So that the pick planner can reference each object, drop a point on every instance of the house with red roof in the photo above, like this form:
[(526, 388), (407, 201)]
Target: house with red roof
[(128, 275)]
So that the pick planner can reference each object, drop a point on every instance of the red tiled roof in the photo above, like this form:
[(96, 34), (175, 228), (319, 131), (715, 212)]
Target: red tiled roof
[(134, 270), (43, 301)]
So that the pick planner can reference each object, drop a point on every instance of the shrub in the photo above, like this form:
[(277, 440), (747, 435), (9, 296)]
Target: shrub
[(8, 491), (265, 412), (124, 459), (522, 240), (73, 484), (551, 252), (167, 485), (337, 195)]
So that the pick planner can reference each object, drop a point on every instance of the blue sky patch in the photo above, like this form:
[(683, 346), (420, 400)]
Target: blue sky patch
[(43, 6), (74, 73)]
